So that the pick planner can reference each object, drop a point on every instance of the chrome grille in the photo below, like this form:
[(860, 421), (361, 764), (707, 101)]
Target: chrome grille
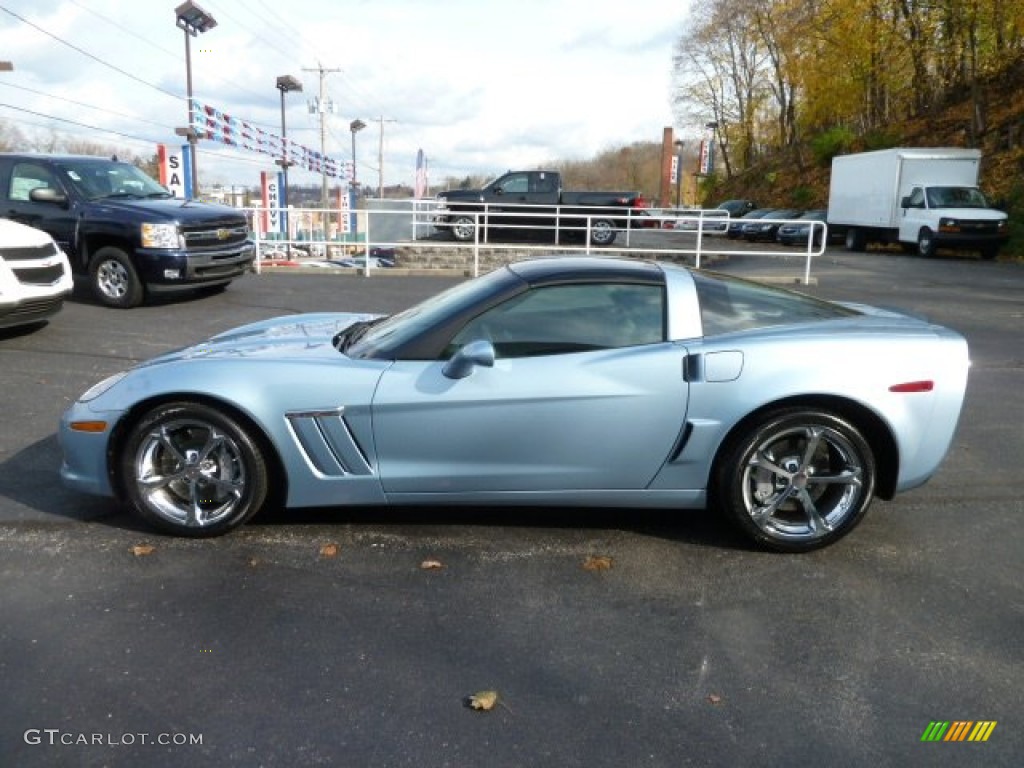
[(216, 236)]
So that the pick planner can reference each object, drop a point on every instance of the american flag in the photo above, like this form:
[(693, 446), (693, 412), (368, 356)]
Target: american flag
[(421, 175)]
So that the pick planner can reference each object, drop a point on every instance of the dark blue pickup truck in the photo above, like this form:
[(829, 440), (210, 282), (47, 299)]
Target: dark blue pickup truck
[(534, 201), (122, 229)]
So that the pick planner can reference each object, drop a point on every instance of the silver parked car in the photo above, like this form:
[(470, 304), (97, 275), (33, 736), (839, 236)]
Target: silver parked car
[(574, 381)]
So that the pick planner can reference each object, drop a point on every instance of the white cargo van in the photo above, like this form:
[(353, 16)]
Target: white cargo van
[(35, 276), (922, 198)]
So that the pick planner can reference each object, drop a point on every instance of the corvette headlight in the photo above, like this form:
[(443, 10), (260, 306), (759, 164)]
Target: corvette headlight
[(161, 236), (98, 389)]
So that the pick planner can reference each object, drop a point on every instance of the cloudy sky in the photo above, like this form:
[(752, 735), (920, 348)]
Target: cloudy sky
[(480, 85)]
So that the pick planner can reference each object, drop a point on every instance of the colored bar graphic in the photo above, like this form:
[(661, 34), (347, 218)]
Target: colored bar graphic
[(982, 731), (935, 731), (958, 730)]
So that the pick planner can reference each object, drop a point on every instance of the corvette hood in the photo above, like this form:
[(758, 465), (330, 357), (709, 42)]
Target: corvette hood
[(305, 335)]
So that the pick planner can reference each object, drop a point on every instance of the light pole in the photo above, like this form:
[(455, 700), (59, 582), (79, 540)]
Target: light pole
[(679, 172), (285, 84), (355, 126), (193, 20)]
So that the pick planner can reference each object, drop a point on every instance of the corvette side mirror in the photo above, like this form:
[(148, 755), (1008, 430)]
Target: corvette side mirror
[(463, 362)]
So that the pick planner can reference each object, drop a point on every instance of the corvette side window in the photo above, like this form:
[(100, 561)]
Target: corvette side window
[(570, 318), (728, 305)]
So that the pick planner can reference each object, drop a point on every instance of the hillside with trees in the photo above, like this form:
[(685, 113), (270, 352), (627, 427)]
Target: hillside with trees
[(792, 83)]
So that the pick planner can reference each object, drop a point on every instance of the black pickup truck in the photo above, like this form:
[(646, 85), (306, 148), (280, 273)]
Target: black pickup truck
[(122, 229), (534, 201)]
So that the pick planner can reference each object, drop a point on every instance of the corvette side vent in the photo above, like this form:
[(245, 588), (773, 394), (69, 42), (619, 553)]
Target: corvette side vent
[(327, 442)]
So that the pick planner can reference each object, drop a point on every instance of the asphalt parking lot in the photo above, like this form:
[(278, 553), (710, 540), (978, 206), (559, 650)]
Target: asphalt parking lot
[(612, 638)]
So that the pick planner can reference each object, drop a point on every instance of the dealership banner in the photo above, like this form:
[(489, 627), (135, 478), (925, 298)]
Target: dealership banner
[(273, 217), (210, 123), (173, 171)]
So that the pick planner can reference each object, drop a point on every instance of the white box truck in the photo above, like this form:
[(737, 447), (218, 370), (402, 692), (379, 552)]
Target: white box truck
[(923, 199)]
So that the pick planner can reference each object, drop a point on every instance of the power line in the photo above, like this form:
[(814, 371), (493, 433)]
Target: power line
[(83, 104), (89, 55)]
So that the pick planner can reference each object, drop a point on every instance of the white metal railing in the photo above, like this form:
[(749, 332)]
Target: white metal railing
[(356, 238)]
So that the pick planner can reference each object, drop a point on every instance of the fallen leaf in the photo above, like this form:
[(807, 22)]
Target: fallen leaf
[(329, 550), (484, 700), (597, 563), (141, 550), (431, 565), (714, 698), (253, 562)]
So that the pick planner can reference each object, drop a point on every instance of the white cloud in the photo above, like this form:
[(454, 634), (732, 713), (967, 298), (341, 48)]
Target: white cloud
[(480, 85)]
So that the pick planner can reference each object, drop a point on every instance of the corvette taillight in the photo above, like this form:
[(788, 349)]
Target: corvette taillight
[(913, 386)]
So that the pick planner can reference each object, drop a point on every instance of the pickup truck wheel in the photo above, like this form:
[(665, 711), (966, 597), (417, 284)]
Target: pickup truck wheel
[(926, 243), (114, 279), (989, 252), (602, 232), (462, 227)]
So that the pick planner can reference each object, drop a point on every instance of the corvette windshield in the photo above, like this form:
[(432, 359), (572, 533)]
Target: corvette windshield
[(397, 329)]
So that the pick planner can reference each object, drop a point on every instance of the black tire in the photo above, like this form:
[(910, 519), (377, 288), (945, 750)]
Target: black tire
[(462, 227), (855, 240), (114, 280), (989, 252), (771, 480), (926, 243), (193, 471), (602, 232)]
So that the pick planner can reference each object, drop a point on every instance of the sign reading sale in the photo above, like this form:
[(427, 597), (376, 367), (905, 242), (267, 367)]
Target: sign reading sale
[(172, 171)]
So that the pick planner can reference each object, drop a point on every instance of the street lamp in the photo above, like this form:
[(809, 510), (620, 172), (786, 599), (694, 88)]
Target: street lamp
[(193, 20), (355, 126), (285, 84), (679, 172)]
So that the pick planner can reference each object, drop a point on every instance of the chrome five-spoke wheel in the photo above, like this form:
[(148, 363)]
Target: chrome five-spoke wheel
[(193, 470), (798, 481)]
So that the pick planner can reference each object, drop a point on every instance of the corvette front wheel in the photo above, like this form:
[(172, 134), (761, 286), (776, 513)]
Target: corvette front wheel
[(798, 480), (192, 470)]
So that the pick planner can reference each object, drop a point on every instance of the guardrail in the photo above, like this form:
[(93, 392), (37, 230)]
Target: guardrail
[(369, 237)]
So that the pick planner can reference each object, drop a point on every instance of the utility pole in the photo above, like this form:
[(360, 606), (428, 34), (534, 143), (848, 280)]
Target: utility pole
[(380, 156), (323, 106)]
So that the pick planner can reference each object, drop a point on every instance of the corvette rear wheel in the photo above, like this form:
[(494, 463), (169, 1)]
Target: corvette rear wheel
[(799, 480), (192, 470)]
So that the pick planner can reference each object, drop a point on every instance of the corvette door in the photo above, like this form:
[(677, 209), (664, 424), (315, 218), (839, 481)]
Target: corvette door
[(579, 398)]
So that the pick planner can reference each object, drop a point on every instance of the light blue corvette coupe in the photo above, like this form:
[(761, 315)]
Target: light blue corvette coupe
[(564, 381)]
